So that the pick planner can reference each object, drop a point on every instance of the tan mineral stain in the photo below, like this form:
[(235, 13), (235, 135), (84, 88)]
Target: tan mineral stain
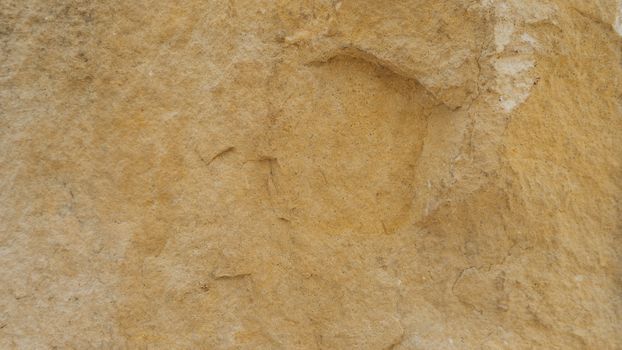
[(310, 174)]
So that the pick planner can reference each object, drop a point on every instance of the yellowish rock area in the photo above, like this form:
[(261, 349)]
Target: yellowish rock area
[(271, 174)]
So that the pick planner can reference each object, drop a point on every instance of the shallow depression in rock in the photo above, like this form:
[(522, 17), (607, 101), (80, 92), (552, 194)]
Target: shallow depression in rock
[(347, 149)]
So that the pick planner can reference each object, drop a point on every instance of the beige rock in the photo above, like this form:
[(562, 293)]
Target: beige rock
[(310, 174)]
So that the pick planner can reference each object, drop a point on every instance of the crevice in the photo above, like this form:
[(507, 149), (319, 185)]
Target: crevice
[(453, 286), (229, 277), (218, 155), (362, 54), (593, 19), (398, 341)]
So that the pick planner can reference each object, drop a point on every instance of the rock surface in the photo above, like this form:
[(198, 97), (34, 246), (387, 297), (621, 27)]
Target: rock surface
[(237, 174)]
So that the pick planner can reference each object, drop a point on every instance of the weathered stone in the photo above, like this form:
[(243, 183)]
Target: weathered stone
[(311, 174)]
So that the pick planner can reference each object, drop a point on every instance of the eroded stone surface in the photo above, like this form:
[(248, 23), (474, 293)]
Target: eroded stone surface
[(310, 174)]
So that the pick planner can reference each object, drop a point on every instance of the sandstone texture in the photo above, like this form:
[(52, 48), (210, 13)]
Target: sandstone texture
[(311, 174)]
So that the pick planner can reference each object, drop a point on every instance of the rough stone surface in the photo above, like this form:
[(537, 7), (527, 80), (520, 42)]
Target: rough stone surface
[(254, 174)]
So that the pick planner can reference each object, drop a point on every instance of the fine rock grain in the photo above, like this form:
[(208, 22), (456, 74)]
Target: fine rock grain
[(301, 174)]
